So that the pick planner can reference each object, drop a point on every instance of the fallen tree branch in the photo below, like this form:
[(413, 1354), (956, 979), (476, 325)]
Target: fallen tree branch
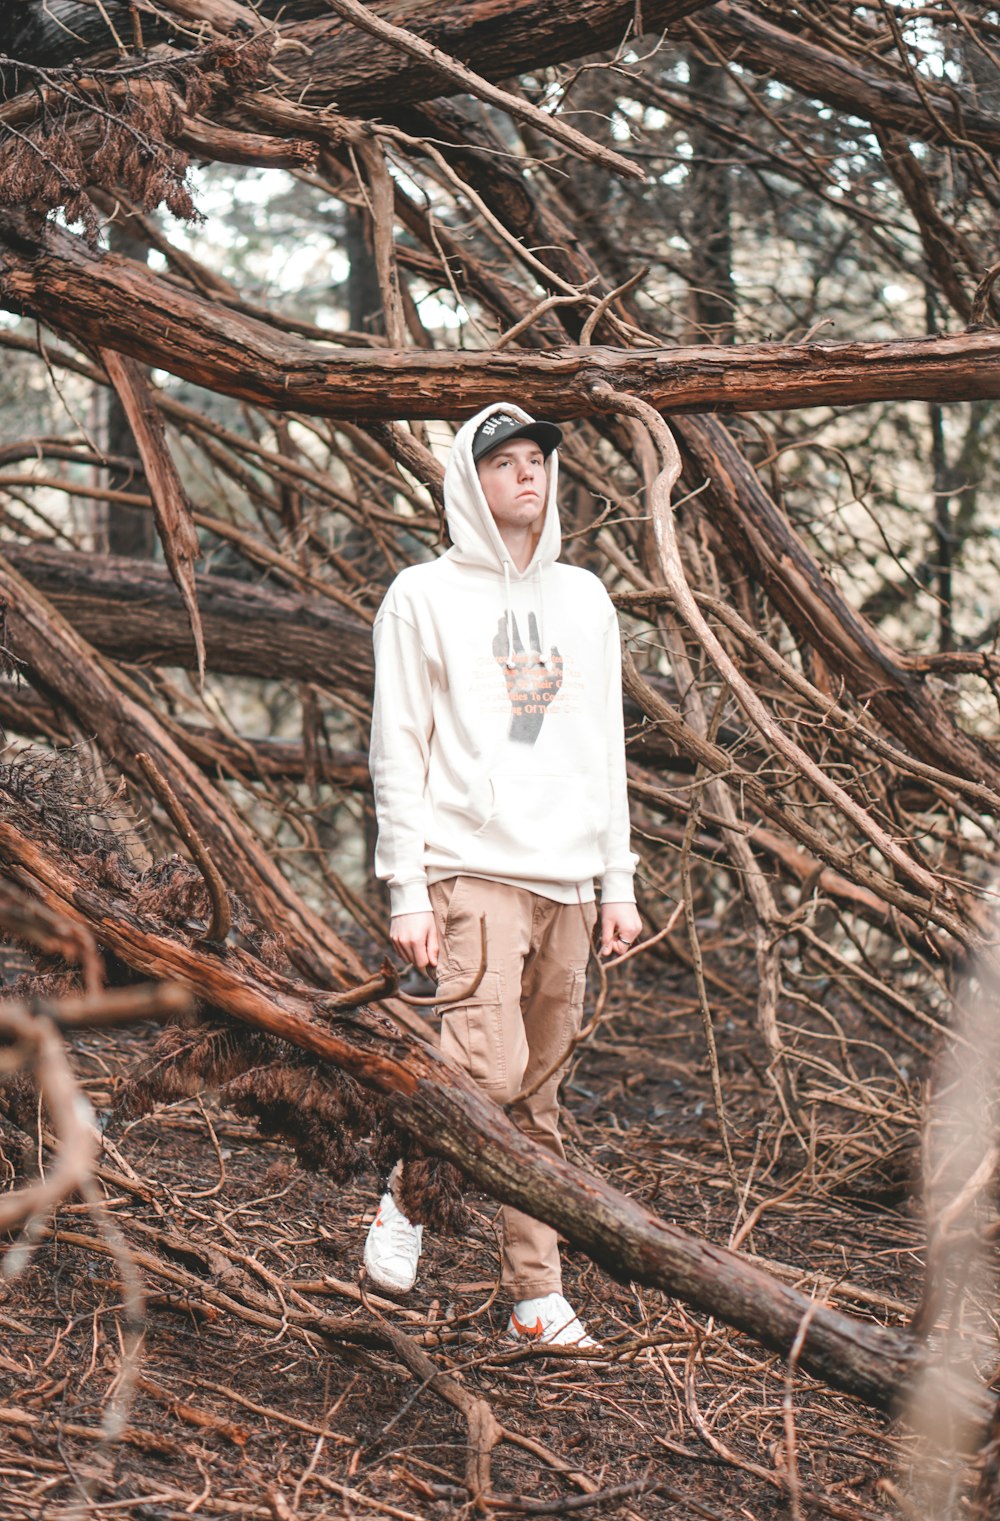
[(112, 302), (444, 1110), (221, 920), (132, 611), (171, 507), (86, 685), (121, 1006)]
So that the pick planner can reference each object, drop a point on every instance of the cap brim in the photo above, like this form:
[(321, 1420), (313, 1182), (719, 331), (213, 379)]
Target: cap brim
[(545, 434)]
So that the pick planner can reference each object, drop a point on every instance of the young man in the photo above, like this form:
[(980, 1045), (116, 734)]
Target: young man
[(498, 763)]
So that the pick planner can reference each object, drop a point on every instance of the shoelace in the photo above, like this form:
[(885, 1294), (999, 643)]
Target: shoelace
[(401, 1234)]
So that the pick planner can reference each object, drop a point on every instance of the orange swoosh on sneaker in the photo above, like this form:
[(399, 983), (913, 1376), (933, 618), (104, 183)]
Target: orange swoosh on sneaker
[(532, 1332)]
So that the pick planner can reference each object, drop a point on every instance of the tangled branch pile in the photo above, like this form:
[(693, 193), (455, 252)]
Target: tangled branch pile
[(217, 463)]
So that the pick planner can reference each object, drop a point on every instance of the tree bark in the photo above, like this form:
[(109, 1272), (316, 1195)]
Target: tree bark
[(133, 612), (343, 66), (110, 302)]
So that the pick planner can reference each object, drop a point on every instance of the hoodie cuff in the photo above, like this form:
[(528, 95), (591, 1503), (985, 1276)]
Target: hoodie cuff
[(409, 898), (617, 887)]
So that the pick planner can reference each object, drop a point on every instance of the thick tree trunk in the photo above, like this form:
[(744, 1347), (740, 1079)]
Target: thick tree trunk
[(709, 216), (134, 613), (445, 1111)]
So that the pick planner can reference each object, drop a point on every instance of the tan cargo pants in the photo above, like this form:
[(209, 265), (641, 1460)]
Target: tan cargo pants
[(522, 1016)]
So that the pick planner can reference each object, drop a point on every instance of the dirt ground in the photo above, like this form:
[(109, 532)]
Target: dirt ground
[(246, 1399)]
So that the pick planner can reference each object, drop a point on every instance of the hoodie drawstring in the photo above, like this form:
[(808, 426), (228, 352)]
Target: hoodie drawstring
[(509, 614), (541, 618)]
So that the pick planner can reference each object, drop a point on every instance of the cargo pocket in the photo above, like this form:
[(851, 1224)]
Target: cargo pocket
[(472, 1032), (575, 991)]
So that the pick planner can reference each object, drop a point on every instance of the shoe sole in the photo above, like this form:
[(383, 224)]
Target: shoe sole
[(540, 1341), (386, 1285)]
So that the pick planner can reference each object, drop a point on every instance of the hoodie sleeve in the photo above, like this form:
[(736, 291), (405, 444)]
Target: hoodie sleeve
[(619, 862), (401, 728)]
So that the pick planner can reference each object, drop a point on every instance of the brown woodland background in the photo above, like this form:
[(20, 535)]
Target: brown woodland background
[(256, 264)]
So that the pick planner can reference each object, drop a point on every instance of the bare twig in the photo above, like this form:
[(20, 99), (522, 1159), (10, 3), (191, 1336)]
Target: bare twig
[(221, 917), (39, 1043), (433, 1001)]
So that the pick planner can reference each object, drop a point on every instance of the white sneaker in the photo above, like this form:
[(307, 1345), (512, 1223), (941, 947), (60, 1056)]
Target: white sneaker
[(549, 1319), (392, 1248)]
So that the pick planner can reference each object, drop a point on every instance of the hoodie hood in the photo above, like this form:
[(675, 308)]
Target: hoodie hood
[(474, 535)]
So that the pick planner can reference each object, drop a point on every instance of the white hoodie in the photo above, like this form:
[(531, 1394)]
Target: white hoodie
[(497, 737)]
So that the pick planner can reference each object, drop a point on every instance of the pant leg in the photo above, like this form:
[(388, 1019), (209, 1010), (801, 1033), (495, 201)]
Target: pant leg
[(520, 1019), (552, 991), (484, 1034)]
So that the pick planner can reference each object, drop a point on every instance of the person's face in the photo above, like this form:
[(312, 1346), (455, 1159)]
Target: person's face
[(515, 484)]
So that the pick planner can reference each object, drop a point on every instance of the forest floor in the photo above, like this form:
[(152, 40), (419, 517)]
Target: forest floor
[(244, 1403)]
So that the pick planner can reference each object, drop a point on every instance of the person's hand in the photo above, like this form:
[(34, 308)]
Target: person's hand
[(414, 937), (620, 928)]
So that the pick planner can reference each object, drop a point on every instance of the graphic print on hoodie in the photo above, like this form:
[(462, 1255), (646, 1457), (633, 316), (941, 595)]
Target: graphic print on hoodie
[(497, 733), (532, 682)]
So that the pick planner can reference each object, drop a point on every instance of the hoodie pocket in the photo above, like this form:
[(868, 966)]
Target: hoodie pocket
[(553, 815)]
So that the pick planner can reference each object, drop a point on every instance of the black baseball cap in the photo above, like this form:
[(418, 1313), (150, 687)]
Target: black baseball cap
[(502, 426)]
